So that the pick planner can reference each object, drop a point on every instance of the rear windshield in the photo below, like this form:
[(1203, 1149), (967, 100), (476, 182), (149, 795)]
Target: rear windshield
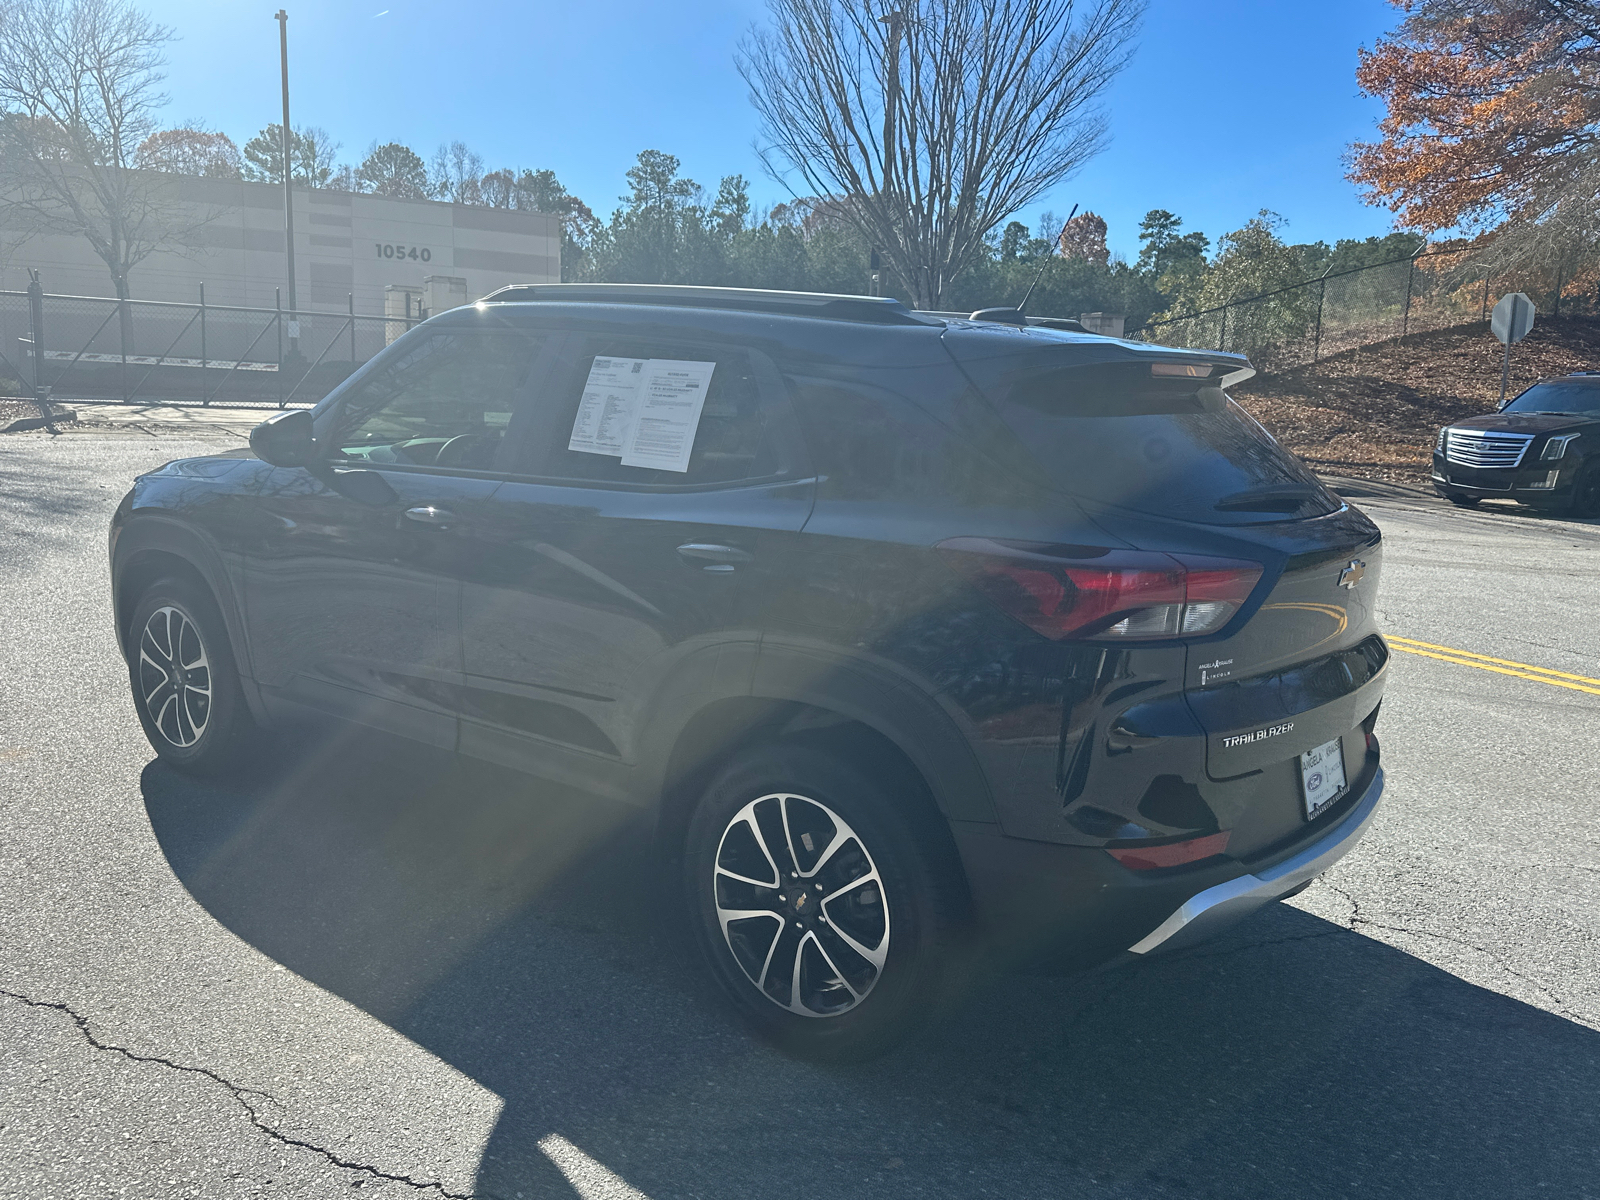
[(1217, 468), (1148, 429), (1558, 396)]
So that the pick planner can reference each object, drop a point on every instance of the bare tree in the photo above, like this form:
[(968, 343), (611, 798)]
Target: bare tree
[(934, 120), (79, 92), (1556, 233), (455, 174)]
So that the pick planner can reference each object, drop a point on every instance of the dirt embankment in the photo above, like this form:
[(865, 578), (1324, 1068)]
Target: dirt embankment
[(1373, 413)]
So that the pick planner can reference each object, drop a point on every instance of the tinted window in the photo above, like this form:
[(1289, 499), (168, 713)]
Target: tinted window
[(445, 400), (1216, 468), (872, 444), (729, 442), (1136, 429), (1558, 396)]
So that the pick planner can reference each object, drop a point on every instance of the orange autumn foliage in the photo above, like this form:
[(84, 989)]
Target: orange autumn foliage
[(1491, 104)]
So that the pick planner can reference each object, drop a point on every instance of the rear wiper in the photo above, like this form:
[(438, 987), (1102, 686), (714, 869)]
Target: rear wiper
[(1279, 498)]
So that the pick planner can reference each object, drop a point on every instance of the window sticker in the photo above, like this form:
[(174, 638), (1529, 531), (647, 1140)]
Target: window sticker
[(671, 395), (610, 401)]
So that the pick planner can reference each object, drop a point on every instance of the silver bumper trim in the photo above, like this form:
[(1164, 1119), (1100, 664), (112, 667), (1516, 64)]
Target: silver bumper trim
[(1206, 914)]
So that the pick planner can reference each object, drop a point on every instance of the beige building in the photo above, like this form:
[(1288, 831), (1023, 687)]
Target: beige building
[(385, 253)]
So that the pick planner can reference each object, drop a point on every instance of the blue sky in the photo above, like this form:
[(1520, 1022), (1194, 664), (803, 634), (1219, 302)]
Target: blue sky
[(1229, 106)]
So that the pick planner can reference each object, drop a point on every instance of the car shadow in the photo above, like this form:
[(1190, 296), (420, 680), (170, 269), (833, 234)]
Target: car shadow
[(1515, 508), (520, 934)]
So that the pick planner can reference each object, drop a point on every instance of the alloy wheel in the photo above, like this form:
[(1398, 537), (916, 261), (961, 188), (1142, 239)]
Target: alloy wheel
[(175, 676), (801, 905)]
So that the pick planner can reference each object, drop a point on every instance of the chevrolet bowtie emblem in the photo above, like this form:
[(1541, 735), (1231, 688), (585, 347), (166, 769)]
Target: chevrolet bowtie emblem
[(1351, 575)]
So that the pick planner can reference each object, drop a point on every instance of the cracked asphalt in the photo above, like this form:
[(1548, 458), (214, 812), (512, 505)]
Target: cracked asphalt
[(364, 968)]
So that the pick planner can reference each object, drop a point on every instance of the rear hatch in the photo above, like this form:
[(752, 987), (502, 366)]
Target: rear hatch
[(1159, 464)]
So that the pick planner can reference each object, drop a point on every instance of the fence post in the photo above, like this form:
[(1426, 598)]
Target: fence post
[(1485, 315), (1405, 320), (277, 302), (352, 298), (122, 339), (1322, 295), (1222, 338), (1560, 269), (205, 396), (36, 328)]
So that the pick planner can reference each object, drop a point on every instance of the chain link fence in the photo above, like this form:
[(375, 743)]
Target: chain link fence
[(1310, 320), (161, 352)]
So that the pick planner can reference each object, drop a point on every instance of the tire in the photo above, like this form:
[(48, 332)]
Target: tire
[(871, 941), (191, 705), (1464, 501), (1586, 494)]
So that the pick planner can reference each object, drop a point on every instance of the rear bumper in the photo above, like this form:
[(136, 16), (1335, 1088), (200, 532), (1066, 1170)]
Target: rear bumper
[(1077, 905), (1208, 913)]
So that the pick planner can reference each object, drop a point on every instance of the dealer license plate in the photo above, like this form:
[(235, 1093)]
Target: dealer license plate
[(1322, 774)]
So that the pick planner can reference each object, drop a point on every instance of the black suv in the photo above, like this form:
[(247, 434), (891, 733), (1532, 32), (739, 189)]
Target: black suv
[(1542, 449), (908, 633)]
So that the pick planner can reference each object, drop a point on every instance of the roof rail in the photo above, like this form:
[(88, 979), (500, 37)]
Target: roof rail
[(876, 310)]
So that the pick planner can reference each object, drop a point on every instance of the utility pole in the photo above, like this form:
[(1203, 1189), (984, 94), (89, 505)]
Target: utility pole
[(288, 180)]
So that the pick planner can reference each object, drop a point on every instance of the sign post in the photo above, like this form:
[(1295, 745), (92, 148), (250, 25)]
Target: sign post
[(1512, 318)]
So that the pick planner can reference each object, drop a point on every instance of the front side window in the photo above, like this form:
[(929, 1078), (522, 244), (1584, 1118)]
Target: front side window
[(444, 402)]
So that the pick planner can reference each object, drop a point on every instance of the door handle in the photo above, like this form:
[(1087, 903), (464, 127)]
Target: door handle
[(427, 514), (713, 557)]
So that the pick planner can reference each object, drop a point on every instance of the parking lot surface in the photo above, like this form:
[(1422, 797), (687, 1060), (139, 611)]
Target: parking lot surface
[(362, 966)]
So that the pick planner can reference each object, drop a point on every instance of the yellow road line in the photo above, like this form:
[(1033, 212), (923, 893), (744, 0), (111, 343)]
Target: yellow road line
[(1504, 662), (1500, 666)]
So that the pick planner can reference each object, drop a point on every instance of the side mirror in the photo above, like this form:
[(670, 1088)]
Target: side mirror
[(284, 439)]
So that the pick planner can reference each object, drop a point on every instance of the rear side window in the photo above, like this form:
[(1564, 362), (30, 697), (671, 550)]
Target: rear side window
[(722, 434), (872, 444)]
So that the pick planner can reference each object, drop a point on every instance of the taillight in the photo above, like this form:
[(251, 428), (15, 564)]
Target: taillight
[(1090, 592)]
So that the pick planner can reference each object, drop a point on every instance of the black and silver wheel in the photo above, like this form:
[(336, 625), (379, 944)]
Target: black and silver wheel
[(185, 687), (823, 904), (174, 676), (801, 905)]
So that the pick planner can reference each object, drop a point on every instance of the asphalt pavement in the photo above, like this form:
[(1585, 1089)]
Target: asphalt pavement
[(363, 966)]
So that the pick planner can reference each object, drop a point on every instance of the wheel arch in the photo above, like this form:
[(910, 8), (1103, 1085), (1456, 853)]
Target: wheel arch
[(882, 723), (153, 548)]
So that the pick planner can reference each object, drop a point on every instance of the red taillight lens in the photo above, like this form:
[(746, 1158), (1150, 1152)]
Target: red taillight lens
[(1173, 854), (1086, 591)]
